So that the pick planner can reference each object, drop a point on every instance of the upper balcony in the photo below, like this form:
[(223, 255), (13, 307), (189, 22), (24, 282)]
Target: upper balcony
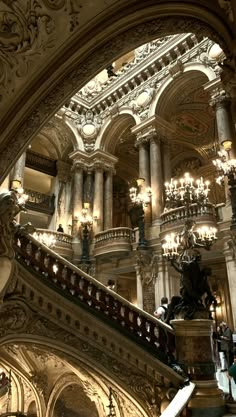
[(113, 241), (174, 218), (43, 203)]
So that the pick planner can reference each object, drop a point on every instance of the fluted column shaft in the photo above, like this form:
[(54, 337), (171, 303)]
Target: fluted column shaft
[(19, 169), (108, 200), (156, 178), (98, 199), (144, 166)]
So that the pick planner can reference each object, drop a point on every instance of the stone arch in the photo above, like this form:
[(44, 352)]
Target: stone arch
[(73, 356), (189, 69), (113, 129), (107, 41), (32, 409), (20, 372)]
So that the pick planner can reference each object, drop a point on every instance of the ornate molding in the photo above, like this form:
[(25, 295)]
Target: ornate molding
[(68, 83)]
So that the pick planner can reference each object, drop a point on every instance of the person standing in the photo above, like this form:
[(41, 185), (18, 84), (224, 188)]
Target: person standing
[(60, 228), (161, 311), (226, 347)]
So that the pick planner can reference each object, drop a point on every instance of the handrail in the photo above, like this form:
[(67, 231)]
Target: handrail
[(93, 295), (180, 213), (59, 236), (114, 234)]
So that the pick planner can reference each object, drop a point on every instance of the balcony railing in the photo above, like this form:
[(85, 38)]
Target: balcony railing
[(114, 240), (43, 203), (207, 213), (63, 241), (90, 294), (41, 163)]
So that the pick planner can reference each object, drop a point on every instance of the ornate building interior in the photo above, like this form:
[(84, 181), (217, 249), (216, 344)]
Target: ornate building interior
[(109, 102)]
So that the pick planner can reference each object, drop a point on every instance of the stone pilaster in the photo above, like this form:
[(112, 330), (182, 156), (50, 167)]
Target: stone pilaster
[(108, 200), (194, 348)]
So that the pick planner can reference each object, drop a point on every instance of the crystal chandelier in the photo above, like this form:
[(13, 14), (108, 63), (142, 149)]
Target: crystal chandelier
[(138, 195), (186, 191)]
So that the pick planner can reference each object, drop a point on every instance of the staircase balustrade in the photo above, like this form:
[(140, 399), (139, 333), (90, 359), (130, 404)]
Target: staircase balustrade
[(91, 294)]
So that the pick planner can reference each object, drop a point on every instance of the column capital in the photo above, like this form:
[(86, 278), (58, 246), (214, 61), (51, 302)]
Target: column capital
[(220, 98), (77, 166), (147, 135)]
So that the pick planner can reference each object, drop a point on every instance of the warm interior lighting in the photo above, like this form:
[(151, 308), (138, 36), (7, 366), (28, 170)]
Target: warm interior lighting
[(187, 191), (225, 165), (227, 144), (86, 205), (15, 185), (139, 196), (47, 239), (140, 181)]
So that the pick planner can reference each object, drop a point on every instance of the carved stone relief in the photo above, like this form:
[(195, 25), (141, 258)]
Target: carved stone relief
[(147, 271)]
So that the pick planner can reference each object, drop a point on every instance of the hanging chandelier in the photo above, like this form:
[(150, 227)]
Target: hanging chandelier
[(186, 191)]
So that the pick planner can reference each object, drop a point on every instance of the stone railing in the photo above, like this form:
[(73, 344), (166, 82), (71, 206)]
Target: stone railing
[(43, 203), (60, 242), (90, 294), (114, 240), (206, 213)]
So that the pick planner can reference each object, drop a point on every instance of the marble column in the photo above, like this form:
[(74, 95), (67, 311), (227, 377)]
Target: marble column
[(98, 199), (165, 150), (230, 261), (194, 348), (77, 197), (108, 200), (19, 169), (224, 120), (144, 168), (156, 178)]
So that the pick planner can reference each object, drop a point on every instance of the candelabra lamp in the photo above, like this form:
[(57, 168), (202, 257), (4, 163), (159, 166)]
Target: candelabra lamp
[(182, 248), (111, 406), (226, 167), (185, 192), (140, 199), (86, 222)]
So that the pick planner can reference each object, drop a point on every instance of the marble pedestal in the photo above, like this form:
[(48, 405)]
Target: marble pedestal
[(194, 348)]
